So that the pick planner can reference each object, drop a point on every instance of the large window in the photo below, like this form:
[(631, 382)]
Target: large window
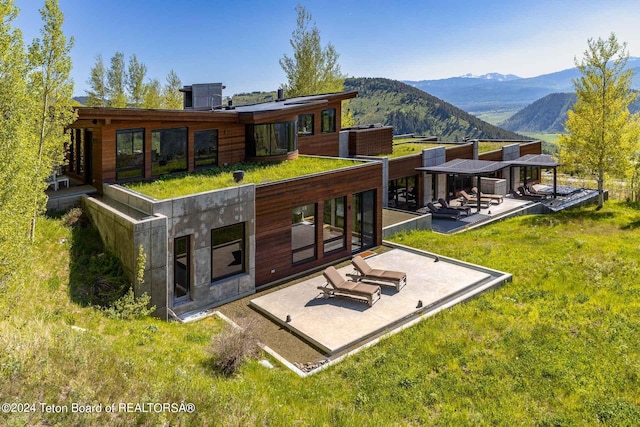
[(168, 150), (529, 173), (206, 147), (305, 124), (129, 153), (273, 139), (181, 268), (303, 233), (403, 193), (227, 251), (329, 120), (333, 234)]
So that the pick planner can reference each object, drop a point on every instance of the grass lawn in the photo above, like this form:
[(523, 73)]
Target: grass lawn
[(175, 185), (557, 346)]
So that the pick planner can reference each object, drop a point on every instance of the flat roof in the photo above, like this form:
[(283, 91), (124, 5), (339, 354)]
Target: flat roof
[(539, 160), (466, 167)]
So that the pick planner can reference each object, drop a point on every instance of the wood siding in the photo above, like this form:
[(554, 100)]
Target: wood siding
[(371, 142), (322, 144), (275, 203), (531, 148), (495, 156), (459, 152)]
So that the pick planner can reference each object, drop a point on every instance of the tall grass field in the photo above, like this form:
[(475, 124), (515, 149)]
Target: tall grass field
[(557, 346)]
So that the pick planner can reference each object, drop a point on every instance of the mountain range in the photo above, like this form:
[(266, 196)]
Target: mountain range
[(547, 115), (498, 92), (411, 110)]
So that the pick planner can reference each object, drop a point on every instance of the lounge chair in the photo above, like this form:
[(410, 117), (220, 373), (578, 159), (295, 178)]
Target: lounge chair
[(363, 271), (485, 202), (463, 209), (495, 197), (337, 286), (444, 213), (526, 194)]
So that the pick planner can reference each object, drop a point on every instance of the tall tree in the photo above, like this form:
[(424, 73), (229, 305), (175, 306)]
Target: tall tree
[(153, 95), (99, 90), (52, 90), (116, 79), (173, 98), (602, 136), (15, 153), (312, 69), (135, 81)]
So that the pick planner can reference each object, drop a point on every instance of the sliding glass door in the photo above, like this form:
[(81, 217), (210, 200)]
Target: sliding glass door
[(363, 227)]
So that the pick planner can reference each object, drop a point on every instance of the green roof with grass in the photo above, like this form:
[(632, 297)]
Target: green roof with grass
[(176, 185)]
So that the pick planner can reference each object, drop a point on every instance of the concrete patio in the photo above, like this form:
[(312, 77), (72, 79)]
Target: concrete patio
[(337, 324)]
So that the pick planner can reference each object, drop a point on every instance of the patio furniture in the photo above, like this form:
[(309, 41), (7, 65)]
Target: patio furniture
[(463, 209), (56, 180), (495, 197), (443, 213), (485, 202), (337, 286), (526, 194), (364, 271)]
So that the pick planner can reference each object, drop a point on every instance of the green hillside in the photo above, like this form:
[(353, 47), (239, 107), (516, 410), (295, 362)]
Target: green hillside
[(410, 110), (548, 114)]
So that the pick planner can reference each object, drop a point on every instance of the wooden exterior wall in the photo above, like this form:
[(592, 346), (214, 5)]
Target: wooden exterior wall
[(322, 144), (495, 156), (371, 142), (531, 148), (459, 152), (275, 203)]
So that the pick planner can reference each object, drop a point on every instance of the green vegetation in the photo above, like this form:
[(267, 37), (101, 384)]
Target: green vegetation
[(401, 149), (410, 110), (312, 69), (222, 177), (123, 86), (556, 346), (602, 138)]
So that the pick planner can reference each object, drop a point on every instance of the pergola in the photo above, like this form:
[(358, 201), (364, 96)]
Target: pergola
[(477, 168), (544, 161), (480, 168)]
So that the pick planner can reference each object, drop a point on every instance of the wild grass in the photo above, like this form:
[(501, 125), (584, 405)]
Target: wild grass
[(222, 177), (556, 346)]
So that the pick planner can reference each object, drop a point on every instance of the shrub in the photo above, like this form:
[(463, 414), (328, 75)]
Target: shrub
[(231, 347), (75, 217), (130, 307)]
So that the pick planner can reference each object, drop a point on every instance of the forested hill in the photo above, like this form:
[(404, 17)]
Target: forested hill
[(410, 110), (548, 114)]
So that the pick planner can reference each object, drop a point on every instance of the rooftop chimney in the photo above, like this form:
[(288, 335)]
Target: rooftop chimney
[(280, 95)]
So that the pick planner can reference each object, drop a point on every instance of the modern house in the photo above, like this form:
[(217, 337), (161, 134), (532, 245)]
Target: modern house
[(209, 243)]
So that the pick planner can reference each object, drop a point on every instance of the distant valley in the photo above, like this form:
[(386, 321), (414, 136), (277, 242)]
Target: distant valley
[(505, 93)]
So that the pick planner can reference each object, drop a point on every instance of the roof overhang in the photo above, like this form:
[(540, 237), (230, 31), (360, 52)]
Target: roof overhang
[(466, 167), (536, 160), (133, 114)]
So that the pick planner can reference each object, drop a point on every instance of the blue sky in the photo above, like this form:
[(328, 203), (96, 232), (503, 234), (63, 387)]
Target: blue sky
[(240, 42)]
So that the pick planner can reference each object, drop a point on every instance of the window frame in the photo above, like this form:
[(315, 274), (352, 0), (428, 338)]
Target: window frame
[(275, 139), (301, 119), (187, 296), (157, 168), (331, 209), (328, 120), (299, 212), (223, 245), (137, 157), (196, 158)]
